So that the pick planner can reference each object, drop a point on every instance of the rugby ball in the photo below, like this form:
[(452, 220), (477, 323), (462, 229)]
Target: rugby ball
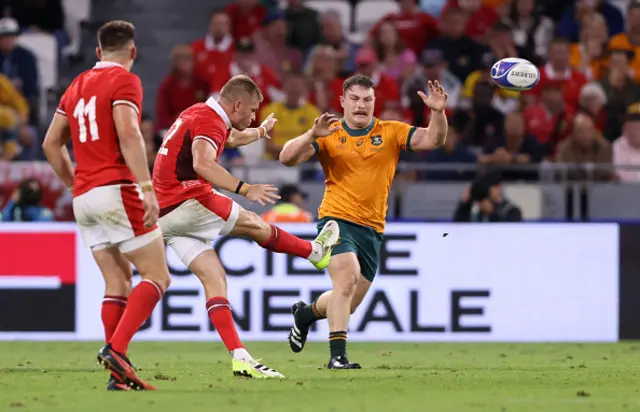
[(515, 74)]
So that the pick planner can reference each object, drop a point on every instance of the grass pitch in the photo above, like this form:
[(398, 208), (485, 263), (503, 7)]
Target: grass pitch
[(397, 377)]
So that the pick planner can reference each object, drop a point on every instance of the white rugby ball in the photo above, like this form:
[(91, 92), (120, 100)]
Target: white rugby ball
[(515, 74)]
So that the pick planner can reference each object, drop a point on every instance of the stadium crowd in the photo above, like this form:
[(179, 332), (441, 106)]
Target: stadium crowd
[(586, 108)]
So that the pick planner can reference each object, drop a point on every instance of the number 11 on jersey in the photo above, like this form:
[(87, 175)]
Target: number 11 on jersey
[(88, 110), (172, 131)]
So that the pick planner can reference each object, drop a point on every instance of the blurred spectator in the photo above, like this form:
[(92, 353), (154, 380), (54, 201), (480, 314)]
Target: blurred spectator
[(332, 34), (590, 55), (40, 15), (387, 90), (559, 69), (272, 49), (180, 89), (416, 28), (19, 64), (592, 102), (25, 204), (15, 135), (500, 41), (550, 120), (462, 54), (584, 150), (483, 201), (434, 68), (152, 141), (295, 114), (626, 149), (322, 74), (504, 100), (453, 151), (303, 24), (396, 60), (621, 93), (244, 62), (531, 30), (569, 24), (631, 39), (246, 16), (291, 208), (215, 50), (514, 147), (481, 124), (480, 17)]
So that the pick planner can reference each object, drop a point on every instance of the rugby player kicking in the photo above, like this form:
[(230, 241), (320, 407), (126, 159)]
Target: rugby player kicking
[(113, 199), (193, 214), (359, 156)]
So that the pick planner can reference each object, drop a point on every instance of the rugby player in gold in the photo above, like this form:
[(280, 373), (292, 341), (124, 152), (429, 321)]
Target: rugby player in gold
[(359, 155)]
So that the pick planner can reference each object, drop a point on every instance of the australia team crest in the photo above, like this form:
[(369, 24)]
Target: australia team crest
[(376, 140)]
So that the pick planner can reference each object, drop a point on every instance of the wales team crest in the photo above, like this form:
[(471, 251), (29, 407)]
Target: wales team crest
[(376, 140)]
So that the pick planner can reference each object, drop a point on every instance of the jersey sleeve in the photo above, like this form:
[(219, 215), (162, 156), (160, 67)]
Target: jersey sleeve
[(403, 133), (62, 106), (211, 132), (128, 91)]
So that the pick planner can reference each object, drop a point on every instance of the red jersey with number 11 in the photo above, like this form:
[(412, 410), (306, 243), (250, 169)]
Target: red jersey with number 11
[(88, 104), (174, 179)]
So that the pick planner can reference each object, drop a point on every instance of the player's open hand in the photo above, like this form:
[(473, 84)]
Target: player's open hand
[(263, 194), (268, 125), (151, 209), (322, 125), (437, 98)]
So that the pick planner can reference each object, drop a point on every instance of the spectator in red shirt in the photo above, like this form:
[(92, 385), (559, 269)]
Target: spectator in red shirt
[(480, 17), (244, 62), (246, 16), (416, 27), (387, 90), (216, 48), (559, 68), (272, 49), (551, 118), (180, 89), (322, 73)]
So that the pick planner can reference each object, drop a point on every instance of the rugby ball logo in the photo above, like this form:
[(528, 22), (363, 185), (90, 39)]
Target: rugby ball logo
[(515, 74)]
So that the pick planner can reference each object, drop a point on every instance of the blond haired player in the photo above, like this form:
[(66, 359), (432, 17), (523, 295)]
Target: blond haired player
[(359, 156)]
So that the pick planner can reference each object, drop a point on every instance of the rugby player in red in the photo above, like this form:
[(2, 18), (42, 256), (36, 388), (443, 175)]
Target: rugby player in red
[(192, 213), (113, 199)]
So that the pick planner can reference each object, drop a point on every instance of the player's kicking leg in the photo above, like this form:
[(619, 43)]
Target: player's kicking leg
[(116, 271), (349, 288), (147, 254), (270, 237), (207, 267)]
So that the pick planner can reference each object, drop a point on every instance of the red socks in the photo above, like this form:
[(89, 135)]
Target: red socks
[(219, 312), (282, 241), (112, 310), (142, 301)]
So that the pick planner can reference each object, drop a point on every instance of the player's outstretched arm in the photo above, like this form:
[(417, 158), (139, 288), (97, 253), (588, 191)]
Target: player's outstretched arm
[(131, 142), (206, 166), (54, 148), (301, 149), (248, 136), (434, 135)]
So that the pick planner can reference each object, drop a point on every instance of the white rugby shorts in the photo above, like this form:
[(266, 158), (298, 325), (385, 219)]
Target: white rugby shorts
[(191, 227), (112, 216)]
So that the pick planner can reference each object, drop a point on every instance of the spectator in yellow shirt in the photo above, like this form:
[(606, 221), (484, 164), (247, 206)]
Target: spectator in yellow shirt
[(295, 114), (14, 114), (631, 39)]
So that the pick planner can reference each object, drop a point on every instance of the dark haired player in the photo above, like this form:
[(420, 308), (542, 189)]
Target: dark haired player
[(113, 199), (359, 156)]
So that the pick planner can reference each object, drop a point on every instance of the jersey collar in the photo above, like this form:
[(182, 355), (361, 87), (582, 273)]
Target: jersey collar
[(106, 65), (358, 132), (213, 104)]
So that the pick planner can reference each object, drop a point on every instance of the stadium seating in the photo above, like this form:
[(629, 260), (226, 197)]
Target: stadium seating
[(342, 7), (76, 13), (45, 48), (368, 12)]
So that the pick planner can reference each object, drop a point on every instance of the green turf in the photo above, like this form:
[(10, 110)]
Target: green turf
[(397, 377)]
